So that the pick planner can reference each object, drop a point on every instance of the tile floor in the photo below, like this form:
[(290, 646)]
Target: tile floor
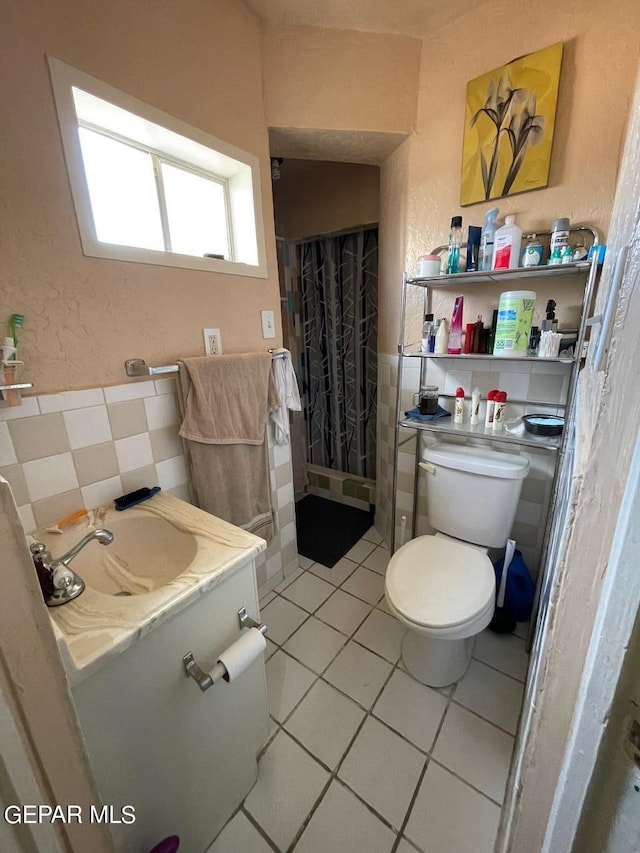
[(362, 758)]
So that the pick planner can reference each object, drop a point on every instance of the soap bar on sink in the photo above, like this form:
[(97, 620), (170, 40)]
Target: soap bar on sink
[(136, 497)]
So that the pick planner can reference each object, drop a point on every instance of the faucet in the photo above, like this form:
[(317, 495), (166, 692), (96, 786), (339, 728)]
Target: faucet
[(60, 584)]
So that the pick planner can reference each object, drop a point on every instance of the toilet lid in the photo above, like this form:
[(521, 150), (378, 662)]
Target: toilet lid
[(439, 583)]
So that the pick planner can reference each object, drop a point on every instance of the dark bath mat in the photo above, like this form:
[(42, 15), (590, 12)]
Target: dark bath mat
[(328, 529)]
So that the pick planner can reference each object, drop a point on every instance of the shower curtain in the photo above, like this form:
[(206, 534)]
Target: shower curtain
[(339, 280)]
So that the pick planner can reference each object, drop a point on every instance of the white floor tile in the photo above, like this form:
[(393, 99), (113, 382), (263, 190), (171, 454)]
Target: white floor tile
[(289, 783), (360, 550), (270, 650), (336, 575), (505, 652), (342, 824), (282, 618), (382, 634), (372, 535), (240, 834), (522, 630), (405, 847), (287, 682), (383, 769), (496, 697), (377, 560), (358, 673), (450, 816), (308, 591), (343, 612), (267, 599), (365, 584), (475, 750), (325, 722), (382, 605), (288, 580), (411, 708), (304, 562), (315, 644)]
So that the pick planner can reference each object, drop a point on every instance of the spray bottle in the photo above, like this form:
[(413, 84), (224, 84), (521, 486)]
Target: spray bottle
[(487, 239)]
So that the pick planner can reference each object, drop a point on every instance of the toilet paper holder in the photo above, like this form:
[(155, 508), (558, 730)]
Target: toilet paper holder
[(205, 680)]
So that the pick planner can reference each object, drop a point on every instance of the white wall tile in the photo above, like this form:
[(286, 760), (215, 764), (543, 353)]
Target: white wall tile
[(501, 365), (52, 475), (161, 411), (129, 391), (457, 378), (27, 409), (515, 384), (67, 400), (101, 493), (165, 386), (284, 495), (288, 534), (7, 452), (171, 472), (86, 427), (135, 452), (26, 517)]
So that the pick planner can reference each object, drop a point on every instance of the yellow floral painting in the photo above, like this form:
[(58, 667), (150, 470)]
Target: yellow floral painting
[(508, 127)]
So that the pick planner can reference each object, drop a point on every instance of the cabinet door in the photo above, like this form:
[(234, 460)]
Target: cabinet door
[(184, 759)]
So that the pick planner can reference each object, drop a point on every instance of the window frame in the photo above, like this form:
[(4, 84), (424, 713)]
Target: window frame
[(243, 205)]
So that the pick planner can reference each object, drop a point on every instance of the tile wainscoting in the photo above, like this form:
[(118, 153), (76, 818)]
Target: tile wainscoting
[(79, 449), (521, 380)]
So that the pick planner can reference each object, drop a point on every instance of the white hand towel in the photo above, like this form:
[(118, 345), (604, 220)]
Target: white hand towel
[(284, 378)]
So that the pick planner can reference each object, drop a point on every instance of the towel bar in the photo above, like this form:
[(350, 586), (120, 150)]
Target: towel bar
[(138, 366)]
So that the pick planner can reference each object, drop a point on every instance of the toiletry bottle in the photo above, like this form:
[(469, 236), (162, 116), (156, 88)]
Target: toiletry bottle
[(469, 338), (506, 255), (567, 255), (458, 412), (474, 235), (432, 335), (532, 256), (426, 331), (559, 239), (478, 335), (455, 335), (547, 324), (498, 410), (534, 340), (485, 259), (491, 339), (475, 406), (491, 396), (455, 239), (442, 338)]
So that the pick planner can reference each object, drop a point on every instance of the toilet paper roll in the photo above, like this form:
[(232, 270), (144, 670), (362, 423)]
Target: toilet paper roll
[(242, 653)]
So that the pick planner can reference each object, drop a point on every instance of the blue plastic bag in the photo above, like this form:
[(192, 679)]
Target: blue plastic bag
[(520, 589)]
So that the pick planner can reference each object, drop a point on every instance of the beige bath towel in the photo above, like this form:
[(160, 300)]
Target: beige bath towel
[(224, 402)]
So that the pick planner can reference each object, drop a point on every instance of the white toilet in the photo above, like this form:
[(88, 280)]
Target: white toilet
[(442, 587)]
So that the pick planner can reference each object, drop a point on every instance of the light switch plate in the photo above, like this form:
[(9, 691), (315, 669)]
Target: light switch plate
[(268, 324), (212, 341)]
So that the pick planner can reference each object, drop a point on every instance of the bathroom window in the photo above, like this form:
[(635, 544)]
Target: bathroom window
[(150, 189)]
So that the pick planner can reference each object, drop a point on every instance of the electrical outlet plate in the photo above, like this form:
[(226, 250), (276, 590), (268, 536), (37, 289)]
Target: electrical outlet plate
[(268, 324), (212, 341)]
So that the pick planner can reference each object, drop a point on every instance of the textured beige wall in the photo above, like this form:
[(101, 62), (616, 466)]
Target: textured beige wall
[(599, 65), (200, 62), (339, 79), (313, 197)]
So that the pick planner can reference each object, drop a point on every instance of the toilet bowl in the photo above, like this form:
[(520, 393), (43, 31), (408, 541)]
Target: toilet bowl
[(444, 592), (442, 587)]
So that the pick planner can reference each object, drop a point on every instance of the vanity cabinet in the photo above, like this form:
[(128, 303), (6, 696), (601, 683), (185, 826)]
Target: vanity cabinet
[(183, 758)]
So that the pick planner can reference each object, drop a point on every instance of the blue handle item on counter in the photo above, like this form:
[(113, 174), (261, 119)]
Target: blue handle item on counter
[(520, 589), (134, 498), (415, 415)]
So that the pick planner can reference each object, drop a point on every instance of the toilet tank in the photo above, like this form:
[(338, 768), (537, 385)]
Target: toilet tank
[(473, 492)]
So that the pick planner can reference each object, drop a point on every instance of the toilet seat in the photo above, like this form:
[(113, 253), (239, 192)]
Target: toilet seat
[(434, 584)]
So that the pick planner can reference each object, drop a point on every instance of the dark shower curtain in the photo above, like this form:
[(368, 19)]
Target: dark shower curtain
[(339, 277)]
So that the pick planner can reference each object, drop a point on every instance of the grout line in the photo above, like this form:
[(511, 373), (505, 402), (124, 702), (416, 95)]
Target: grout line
[(467, 783), (493, 666), (257, 826)]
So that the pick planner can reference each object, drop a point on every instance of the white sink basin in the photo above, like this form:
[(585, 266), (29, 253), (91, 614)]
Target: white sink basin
[(165, 553)]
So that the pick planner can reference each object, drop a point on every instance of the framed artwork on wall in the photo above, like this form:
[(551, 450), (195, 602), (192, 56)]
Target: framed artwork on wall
[(508, 127)]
